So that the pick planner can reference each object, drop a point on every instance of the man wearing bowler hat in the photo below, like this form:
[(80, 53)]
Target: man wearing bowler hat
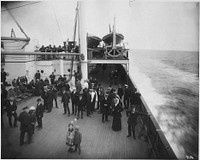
[(132, 120)]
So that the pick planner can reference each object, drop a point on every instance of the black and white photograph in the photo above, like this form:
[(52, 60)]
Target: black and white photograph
[(100, 79)]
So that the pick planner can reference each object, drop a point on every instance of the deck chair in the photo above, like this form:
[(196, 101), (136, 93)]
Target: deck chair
[(20, 94), (12, 94)]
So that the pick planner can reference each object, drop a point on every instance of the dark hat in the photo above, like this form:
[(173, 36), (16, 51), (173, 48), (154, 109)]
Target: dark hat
[(39, 100), (25, 108)]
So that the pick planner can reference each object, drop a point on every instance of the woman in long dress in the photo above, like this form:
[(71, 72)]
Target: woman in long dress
[(116, 112)]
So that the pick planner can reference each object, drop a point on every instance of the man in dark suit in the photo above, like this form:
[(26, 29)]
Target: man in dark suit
[(44, 96), (52, 78), (135, 98), (25, 126), (77, 140), (92, 100), (127, 94), (87, 98), (132, 120), (4, 101), (100, 93), (3, 76), (75, 100), (55, 94), (37, 75), (65, 101), (49, 99), (39, 112), (105, 107), (80, 104), (11, 108)]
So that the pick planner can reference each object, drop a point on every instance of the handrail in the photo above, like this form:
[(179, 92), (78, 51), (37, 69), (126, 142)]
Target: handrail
[(38, 53)]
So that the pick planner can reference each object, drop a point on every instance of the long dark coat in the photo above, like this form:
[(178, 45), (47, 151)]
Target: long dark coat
[(11, 109), (77, 138), (81, 104), (50, 97), (75, 97), (132, 117), (105, 106), (116, 125), (24, 118), (127, 93), (65, 97), (120, 92), (39, 110)]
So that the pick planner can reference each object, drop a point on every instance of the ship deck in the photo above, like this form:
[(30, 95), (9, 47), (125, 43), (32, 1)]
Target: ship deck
[(99, 141)]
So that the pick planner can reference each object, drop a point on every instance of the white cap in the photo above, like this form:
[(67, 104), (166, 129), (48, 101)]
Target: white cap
[(32, 108)]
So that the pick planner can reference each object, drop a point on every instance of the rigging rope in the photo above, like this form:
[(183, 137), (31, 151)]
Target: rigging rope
[(3, 10), (58, 24)]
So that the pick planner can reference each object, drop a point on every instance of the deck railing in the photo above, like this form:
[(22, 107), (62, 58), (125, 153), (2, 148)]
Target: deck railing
[(100, 53), (158, 145), (56, 57)]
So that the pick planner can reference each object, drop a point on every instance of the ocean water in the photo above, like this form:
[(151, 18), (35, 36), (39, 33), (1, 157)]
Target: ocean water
[(169, 83)]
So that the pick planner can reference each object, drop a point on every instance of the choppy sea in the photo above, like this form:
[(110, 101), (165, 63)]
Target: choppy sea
[(169, 83)]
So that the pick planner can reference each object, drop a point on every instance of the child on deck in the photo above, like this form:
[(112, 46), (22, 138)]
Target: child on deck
[(70, 136), (77, 140)]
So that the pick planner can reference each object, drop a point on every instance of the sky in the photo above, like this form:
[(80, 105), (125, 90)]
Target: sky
[(145, 25)]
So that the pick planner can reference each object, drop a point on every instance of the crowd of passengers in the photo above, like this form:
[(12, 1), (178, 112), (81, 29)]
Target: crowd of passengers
[(53, 49), (86, 96)]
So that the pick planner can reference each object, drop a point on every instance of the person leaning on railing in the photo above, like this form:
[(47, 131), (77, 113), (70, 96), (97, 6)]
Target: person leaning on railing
[(132, 120), (135, 99)]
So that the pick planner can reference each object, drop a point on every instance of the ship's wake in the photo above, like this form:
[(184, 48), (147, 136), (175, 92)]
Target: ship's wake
[(172, 100)]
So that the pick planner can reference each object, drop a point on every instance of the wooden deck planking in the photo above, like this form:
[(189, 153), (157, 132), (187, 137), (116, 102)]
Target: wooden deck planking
[(99, 141)]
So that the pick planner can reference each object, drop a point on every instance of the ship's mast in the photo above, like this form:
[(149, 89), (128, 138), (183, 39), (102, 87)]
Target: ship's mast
[(83, 38), (114, 35)]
